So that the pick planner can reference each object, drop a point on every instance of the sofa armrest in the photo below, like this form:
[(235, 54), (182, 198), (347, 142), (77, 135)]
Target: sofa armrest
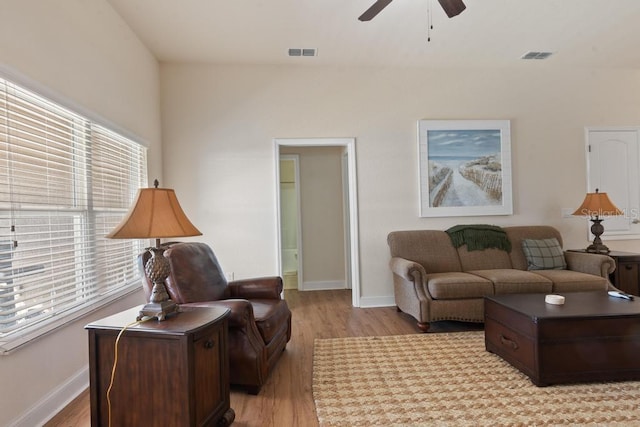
[(259, 288), (408, 270), (410, 289), (596, 264), (241, 315)]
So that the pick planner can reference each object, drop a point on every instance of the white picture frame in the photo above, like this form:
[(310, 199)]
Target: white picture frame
[(465, 167)]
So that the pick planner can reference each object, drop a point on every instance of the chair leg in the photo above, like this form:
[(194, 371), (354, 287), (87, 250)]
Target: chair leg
[(253, 389)]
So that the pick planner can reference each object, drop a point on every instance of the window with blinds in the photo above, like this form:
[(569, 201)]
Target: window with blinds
[(65, 182)]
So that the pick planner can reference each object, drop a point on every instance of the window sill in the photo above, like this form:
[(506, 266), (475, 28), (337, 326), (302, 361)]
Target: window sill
[(20, 339)]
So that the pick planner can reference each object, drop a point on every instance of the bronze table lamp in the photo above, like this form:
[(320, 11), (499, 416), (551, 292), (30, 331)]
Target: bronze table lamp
[(594, 206), (156, 214)]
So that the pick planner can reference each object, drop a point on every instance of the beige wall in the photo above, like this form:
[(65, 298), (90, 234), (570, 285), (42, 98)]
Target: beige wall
[(219, 123), (323, 256), (81, 53)]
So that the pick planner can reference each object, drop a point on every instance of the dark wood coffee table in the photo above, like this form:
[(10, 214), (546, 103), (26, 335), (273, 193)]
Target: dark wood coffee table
[(592, 337)]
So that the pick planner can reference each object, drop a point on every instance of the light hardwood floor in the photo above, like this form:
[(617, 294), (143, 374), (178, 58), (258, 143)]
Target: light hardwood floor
[(286, 398)]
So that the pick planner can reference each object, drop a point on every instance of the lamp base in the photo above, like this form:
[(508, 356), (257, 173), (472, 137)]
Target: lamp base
[(597, 246), (598, 249), (157, 269), (158, 309)]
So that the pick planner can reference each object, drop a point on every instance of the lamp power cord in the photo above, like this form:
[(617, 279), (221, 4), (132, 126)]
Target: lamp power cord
[(115, 363)]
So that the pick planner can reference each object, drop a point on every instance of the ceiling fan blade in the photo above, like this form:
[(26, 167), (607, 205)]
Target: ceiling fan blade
[(452, 7), (375, 9)]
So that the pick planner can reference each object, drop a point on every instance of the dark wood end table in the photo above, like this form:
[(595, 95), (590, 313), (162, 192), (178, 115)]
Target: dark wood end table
[(627, 274), (171, 373), (592, 337)]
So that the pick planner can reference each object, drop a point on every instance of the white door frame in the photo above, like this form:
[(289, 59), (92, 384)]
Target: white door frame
[(625, 167), (354, 251)]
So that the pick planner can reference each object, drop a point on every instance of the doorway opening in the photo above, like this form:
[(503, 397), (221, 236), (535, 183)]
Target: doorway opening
[(284, 192), (290, 224)]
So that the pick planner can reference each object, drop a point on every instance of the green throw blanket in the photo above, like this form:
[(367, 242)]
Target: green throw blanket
[(479, 237)]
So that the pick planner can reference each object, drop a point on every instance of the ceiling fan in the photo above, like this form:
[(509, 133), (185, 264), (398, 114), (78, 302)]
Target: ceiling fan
[(451, 8)]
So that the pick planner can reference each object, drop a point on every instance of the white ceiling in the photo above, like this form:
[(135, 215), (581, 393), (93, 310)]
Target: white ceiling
[(489, 33)]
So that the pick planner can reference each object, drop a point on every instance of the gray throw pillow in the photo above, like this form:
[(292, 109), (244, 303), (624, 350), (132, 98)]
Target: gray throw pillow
[(544, 254)]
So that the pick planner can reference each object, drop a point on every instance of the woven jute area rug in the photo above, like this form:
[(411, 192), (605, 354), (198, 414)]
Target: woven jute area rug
[(449, 379)]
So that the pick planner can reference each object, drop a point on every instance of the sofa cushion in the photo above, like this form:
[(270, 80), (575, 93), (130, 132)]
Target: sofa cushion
[(457, 285), (574, 281), (519, 233), (543, 254), (511, 281), (483, 260)]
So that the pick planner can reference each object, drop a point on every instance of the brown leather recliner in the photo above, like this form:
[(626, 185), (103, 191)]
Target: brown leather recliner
[(260, 320)]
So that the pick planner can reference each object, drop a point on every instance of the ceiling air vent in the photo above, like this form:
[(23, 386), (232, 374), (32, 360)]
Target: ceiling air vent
[(303, 52), (536, 55)]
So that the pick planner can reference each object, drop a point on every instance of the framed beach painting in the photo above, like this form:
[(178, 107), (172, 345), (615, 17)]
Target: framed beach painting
[(465, 167)]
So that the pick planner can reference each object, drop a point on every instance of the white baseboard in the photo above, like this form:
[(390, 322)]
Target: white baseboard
[(370, 302), (323, 285), (365, 302), (54, 402)]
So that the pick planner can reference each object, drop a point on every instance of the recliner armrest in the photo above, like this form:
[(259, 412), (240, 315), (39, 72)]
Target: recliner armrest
[(241, 315), (258, 288)]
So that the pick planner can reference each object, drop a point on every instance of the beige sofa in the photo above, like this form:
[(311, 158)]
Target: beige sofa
[(435, 281)]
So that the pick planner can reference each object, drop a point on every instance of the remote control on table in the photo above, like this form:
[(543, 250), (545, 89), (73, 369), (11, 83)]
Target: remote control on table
[(620, 294)]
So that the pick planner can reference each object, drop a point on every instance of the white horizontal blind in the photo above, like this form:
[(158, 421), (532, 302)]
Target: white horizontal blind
[(64, 183), (118, 170)]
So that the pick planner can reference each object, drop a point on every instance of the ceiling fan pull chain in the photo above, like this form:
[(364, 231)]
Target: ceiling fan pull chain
[(429, 21)]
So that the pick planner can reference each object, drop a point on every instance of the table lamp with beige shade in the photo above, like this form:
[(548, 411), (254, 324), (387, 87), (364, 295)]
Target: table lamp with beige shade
[(156, 214), (594, 206)]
